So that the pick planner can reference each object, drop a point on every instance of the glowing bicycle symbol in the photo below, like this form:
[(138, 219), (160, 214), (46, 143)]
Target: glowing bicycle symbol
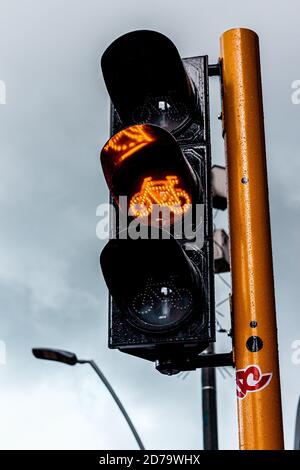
[(160, 192)]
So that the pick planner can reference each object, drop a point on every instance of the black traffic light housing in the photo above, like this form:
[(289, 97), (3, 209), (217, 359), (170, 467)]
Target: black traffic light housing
[(155, 92)]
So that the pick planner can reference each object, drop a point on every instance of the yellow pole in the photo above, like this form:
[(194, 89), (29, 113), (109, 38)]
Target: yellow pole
[(254, 317)]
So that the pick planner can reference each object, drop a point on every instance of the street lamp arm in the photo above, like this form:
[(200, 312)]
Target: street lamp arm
[(115, 397)]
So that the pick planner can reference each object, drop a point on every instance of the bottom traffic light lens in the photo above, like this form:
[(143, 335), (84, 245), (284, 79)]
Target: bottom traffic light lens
[(162, 304), (153, 282)]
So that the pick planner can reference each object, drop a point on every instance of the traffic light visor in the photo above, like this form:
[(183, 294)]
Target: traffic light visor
[(147, 82)]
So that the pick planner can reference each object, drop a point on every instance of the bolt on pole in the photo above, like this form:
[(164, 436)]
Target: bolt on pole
[(254, 317)]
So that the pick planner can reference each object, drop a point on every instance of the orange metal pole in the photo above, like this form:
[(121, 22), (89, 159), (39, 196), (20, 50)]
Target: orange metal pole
[(254, 318)]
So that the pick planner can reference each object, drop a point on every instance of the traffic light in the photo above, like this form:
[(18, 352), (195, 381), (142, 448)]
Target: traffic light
[(159, 265)]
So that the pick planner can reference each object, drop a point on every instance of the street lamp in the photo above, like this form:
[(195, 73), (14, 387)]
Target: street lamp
[(70, 358)]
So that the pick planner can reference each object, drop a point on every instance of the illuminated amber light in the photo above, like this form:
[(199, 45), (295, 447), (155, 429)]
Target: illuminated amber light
[(161, 192), (127, 142)]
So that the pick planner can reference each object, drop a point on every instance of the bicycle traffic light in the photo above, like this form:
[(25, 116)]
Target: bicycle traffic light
[(158, 266), (144, 163)]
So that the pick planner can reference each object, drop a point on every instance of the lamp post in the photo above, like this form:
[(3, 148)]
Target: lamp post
[(71, 359)]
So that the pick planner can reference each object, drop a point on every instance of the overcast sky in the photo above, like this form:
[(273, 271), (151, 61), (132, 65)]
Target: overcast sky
[(52, 293)]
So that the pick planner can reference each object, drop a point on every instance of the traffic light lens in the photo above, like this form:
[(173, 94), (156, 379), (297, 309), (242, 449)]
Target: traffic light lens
[(162, 111), (153, 282), (162, 304), (145, 164)]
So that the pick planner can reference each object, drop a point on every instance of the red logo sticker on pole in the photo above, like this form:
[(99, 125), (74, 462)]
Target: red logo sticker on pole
[(251, 379)]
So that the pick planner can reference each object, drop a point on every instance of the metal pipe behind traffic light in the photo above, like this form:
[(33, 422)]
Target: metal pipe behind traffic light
[(254, 318), (209, 406)]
